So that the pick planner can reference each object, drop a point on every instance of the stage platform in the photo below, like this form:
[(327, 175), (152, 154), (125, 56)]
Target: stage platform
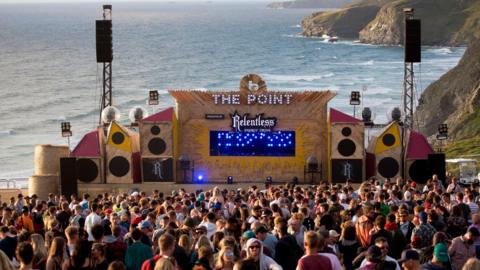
[(165, 187)]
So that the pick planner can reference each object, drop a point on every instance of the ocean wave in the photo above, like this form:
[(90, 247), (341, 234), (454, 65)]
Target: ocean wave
[(296, 26), (7, 132), (272, 78), (441, 51)]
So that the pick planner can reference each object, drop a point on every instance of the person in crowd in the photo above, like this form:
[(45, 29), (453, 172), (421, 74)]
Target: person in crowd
[(99, 261), (40, 253), (92, 219), (5, 262), (424, 230), (56, 254), (382, 243), (364, 226), (410, 260), (24, 221), (312, 260), (255, 252), (24, 254), (440, 257), (117, 265), (348, 245), (463, 248), (472, 264), (80, 258), (137, 252), (166, 245), (287, 251), (8, 242), (226, 258)]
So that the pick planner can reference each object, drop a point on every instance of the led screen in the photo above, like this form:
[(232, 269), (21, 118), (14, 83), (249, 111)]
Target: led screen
[(269, 144)]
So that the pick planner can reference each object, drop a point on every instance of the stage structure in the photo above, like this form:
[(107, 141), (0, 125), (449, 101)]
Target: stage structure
[(252, 133)]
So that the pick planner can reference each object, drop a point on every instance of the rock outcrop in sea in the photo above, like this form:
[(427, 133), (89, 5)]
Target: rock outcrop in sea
[(310, 4), (449, 22)]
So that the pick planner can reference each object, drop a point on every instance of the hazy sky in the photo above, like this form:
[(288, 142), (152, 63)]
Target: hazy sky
[(114, 1)]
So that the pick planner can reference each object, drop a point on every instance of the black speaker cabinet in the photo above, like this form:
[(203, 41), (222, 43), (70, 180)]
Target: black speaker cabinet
[(436, 163), (418, 170), (104, 41), (68, 177), (347, 169), (89, 170), (413, 43), (157, 169)]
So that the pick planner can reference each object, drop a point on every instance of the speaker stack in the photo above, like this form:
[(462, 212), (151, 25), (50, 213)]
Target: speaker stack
[(413, 51), (103, 30), (346, 147), (122, 155), (89, 161), (387, 148), (157, 146), (416, 158)]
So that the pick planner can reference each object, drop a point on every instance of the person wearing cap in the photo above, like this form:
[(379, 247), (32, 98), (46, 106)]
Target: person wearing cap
[(147, 231), (312, 260), (440, 258), (332, 241), (463, 248), (25, 221), (372, 258), (382, 243), (424, 230), (410, 260)]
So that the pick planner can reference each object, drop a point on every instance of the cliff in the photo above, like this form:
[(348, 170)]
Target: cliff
[(310, 4), (454, 99), (446, 22), (345, 22), (441, 21)]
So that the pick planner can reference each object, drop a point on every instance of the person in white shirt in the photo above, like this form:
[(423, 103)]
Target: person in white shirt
[(92, 219)]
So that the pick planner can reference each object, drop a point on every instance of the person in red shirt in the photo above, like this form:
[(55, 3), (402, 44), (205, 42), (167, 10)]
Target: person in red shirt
[(166, 244), (313, 260)]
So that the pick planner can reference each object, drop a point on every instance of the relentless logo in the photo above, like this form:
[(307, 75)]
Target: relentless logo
[(258, 123)]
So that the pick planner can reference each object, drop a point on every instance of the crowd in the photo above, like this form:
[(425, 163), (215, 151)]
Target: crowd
[(379, 224)]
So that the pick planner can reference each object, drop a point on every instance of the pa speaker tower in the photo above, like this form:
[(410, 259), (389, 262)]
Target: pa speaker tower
[(68, 176), (413, 37), (104, 41)]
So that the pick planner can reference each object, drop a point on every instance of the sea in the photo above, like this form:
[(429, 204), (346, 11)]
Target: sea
[(49, 74)]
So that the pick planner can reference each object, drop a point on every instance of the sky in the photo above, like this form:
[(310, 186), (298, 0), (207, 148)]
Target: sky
[(116, 1)]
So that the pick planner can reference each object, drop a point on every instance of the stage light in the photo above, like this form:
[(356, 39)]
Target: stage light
[(268, 180), (442, 132), (200, 177), (66, 132), (153, 97), (396, 114), (230, 180), (355, 98)]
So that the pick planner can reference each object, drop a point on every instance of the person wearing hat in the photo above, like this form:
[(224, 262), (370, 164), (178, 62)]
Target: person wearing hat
[(410, 260), (440, 258), (463, 248), (332, 241), (424, 230), (372, 257)]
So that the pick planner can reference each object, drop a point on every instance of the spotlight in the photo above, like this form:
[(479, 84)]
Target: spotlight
[(268, 180), (66, 132), (442, 132), (153, 97), (230, 180), (200, 177), (367, 115), (355, 98)]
